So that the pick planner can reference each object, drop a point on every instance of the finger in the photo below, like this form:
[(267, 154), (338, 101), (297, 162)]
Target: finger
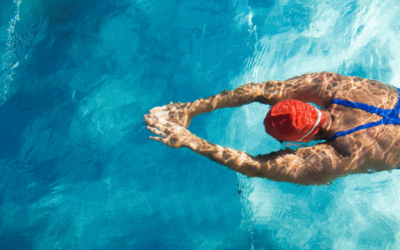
[(146, 117), (169, 131), (160, 139), (159, 121), (165, 129), (163, 108), (155, 110), (154, 130), (152, 116), (150, 120)]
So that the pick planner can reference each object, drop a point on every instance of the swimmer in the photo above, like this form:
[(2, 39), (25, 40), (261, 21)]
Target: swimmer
[(358, 119)]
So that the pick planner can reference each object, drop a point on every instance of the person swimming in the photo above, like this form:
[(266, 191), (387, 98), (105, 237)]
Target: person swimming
[(358, 119)]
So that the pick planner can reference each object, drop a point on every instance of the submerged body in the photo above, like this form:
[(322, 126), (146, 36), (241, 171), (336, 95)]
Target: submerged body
[(367, 150)]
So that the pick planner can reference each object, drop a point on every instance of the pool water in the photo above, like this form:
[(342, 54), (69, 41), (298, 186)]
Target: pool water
[(79, 172)]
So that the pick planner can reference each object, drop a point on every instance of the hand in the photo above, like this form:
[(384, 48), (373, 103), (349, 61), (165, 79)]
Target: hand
[(170, 134), (178, 113)]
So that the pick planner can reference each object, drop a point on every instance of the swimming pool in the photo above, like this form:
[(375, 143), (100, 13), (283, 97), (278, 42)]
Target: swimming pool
[(79, 172)]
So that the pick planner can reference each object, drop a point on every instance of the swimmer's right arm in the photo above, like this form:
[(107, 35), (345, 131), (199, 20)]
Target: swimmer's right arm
[(183, 113), (318, 88)]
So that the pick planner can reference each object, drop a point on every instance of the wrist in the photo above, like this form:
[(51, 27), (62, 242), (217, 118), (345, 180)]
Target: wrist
[(198, 107), (192, 142)]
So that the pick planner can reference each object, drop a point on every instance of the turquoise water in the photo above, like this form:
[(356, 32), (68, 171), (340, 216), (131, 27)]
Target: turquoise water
[(79, 172)]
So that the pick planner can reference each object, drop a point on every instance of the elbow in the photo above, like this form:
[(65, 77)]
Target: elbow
[(314, 177), (251, 174), (250, 170), (309, 177), (304, 180)]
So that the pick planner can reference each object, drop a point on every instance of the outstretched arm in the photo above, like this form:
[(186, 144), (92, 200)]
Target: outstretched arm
[(319, 164), (183, 113), (318, 88)]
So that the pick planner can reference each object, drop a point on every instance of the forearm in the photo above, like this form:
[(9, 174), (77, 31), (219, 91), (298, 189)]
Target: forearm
[(234, 159), (305, 167), (245, 94), (278, 166), (287, 166), (316, 165)]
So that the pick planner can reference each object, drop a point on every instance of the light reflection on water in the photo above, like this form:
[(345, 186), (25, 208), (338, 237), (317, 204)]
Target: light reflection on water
[(350, 38), (78, 171)]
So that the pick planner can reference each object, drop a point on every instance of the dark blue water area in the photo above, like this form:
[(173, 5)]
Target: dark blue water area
[(78, 171), (77, 168)]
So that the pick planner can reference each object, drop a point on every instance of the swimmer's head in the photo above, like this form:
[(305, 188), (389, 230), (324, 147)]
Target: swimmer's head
[(292, 120)]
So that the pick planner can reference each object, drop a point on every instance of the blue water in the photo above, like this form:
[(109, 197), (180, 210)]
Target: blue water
[(77, 170)]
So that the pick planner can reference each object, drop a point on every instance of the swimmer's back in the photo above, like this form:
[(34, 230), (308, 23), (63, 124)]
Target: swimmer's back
[(378, 145)]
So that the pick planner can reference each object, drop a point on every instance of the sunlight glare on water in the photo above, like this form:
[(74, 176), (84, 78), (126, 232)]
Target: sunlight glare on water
[(79, 172), (350, 38)]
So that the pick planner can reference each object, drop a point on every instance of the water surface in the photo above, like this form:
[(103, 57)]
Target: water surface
[(78, 170)]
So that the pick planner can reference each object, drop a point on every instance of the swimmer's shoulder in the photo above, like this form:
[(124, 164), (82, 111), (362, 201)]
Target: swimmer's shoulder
[(369, 91)]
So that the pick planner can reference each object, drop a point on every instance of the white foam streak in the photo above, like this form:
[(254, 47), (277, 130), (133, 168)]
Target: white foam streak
[(9, 58), (358, 211)]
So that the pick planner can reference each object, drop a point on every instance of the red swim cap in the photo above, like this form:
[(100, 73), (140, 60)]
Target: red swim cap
[(293, 120)]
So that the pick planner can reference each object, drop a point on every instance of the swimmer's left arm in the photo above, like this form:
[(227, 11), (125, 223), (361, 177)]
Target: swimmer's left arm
[(318, 164), (315, 165), (176, 136)]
